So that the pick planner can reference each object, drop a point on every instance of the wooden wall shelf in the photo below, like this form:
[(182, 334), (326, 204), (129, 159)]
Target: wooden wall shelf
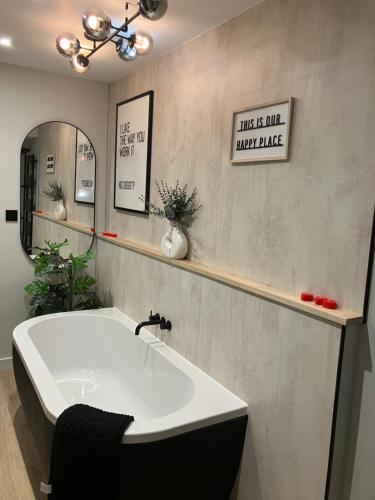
[(338, 316), (66, 223)]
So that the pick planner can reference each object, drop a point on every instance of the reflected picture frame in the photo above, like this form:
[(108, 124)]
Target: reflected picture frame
[(85, 170)]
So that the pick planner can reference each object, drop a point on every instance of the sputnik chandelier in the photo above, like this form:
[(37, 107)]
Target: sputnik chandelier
[(99, 30)]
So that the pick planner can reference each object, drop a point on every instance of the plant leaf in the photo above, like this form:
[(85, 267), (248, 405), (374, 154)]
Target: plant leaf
[(82, 284), (37, 288)]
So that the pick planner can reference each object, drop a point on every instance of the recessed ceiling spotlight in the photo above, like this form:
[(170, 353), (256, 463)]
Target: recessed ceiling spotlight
[(5, 41)]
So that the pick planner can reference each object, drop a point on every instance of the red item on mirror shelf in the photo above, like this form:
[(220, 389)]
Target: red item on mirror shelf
[(110, 235)]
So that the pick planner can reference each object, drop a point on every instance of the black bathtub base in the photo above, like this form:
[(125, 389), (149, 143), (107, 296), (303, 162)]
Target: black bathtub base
[(197, 465)]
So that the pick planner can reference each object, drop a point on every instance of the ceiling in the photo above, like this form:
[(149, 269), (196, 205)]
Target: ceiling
[(34, 24)]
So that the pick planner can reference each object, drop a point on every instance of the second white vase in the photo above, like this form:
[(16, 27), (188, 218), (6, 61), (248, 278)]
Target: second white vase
[(174, 243), (60, 210)]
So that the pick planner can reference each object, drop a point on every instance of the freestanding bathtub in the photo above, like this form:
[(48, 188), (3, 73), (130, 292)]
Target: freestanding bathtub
[(187, 437)]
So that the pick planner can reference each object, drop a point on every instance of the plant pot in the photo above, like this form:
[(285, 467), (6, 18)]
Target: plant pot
[(60, 210), (174, 243)]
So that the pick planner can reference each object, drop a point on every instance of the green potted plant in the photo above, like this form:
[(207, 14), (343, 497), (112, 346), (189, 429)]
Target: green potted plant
[(181, 208), (54, 192), (61, 284)]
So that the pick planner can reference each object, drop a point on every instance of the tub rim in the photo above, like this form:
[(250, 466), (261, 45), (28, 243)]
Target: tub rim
[(211, 403)]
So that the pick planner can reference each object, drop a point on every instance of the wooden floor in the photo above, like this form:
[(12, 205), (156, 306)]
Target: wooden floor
[(20, 470)]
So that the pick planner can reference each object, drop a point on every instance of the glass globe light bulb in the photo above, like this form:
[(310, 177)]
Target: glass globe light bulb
[(153, 9), (96, 23), (126, 50), (80, 63), (93, 22), (143, 43), (67, 44)]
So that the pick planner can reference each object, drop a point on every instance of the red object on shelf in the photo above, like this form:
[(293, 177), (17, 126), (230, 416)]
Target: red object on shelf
[(307, 296), (110, 235), (329, 304), (38, 211), (92, 229), (319, 300)]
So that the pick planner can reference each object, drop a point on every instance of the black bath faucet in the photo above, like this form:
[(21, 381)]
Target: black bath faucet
[(154, 319)]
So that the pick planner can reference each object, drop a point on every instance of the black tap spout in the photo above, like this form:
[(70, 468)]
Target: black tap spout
[(154, 320), (146, 323)]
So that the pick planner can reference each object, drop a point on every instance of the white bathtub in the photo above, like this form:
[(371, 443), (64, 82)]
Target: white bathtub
[(93, 357)]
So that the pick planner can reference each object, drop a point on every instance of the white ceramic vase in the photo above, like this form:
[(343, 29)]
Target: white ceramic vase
[(60, 210), (174, 243)]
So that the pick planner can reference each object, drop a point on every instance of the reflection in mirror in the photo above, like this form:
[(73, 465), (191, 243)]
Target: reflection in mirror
[(57, 188)]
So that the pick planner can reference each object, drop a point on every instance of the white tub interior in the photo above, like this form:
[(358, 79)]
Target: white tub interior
[(123, 375)]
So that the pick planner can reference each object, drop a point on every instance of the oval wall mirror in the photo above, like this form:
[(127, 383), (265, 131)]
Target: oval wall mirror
[(58, 167)]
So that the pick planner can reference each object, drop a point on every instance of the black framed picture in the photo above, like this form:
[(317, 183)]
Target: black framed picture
[(133, 153), (85, 170)]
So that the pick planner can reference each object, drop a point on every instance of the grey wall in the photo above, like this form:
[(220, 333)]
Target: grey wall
[(298, 225), (283, 364), (27, 99)]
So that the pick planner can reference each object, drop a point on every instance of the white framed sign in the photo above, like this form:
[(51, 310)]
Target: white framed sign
[(85, 170), (133, 153), (50, 163), (262, 133)]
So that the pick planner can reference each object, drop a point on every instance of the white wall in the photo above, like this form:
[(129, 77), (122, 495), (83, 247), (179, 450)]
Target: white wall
[(27, 99)]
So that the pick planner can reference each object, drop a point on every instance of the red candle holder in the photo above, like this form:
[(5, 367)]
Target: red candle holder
[(307, 296), (329, 304), (319, 300)]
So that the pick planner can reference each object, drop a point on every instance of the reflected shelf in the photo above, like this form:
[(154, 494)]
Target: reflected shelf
[(66, 223)]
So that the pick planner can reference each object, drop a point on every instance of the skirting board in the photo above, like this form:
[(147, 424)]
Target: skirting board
[(6, 364)]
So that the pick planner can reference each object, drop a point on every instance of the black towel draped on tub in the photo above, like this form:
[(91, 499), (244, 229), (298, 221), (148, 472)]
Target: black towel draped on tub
[(84, 453)]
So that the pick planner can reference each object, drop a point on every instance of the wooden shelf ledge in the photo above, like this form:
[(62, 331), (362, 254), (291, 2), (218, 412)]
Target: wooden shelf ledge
[(66, 223), (338, 316)]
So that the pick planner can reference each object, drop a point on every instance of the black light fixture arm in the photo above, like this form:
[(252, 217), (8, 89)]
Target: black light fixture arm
[(89, 49), (115, 33)]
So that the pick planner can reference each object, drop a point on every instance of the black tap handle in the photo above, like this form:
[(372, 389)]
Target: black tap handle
[(154, 317), (165, 324)]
